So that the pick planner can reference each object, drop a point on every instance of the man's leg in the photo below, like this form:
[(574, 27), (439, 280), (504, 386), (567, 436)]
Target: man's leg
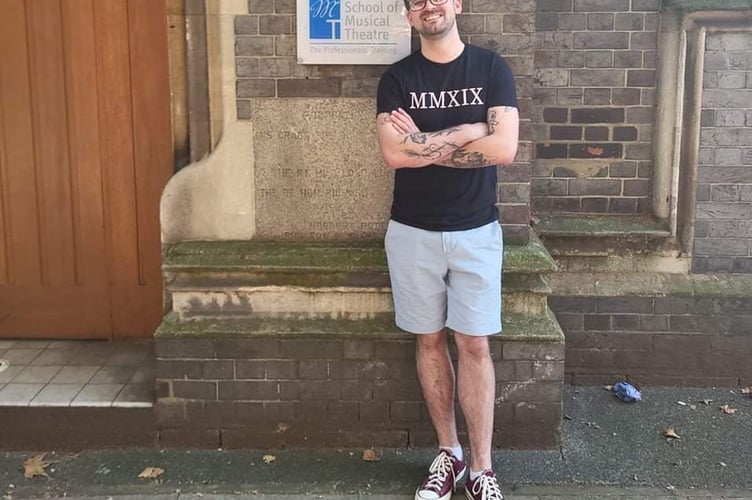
[(476, 387), (436, 375)]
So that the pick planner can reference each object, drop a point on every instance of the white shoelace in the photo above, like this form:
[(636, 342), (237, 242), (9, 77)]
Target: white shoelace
[(440, 468), (489, 488)]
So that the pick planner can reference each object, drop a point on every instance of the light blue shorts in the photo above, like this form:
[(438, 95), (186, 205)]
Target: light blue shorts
[(446, 279)]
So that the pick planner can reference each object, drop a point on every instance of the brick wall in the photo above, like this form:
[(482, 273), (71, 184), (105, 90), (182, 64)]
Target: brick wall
[(723, 232), (271, 392), (266, 67), (594, 89), (685, 341)]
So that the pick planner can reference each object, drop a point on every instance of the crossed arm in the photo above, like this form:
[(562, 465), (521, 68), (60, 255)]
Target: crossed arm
[(469, 145)]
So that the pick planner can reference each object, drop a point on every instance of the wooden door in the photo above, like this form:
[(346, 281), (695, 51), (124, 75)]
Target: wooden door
[(85, 150)]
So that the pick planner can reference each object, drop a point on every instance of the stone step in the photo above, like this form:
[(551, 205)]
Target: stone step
[(517, 328), (291, 302), (316, 280), (589, 235), (255, 263)]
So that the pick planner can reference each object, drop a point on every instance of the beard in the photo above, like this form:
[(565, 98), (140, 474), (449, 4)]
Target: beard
[(436, 30)]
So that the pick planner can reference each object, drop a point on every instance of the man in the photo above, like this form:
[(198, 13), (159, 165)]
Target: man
[(447, 116)]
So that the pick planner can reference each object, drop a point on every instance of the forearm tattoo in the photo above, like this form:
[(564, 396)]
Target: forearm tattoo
[(462, 158), (430, 151)]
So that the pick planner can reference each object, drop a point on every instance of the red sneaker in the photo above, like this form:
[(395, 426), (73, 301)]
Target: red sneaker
[(485, 487), (444, 475)]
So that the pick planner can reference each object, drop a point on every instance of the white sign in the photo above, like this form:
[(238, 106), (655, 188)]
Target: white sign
[(352, 31)]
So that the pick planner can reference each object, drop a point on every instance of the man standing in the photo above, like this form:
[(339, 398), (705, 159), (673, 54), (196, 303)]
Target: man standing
[(447, 117)]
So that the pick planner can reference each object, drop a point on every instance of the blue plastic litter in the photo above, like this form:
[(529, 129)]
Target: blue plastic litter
[(626, 392)]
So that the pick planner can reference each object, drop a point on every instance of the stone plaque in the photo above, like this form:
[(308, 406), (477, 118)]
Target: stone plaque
[(318, 171)]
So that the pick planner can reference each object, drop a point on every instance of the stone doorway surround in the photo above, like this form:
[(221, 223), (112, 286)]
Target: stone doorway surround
[(679, 95)]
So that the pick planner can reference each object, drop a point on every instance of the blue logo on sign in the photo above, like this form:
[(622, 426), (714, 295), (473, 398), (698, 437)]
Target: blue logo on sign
[(325, 19)]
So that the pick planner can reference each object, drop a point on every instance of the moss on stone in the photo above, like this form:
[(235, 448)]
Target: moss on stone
[(330, 257), (600, 225), (695, 5), (517, 328), (530, 258)]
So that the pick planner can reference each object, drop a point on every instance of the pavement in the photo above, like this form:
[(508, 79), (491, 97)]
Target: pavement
[(609, 450)]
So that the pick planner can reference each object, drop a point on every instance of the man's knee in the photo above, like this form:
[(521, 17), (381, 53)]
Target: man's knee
[(431, 341), (472, 345)]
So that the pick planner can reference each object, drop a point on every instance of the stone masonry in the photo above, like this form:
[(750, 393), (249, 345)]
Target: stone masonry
[(594, 90), (723, 234), (675, 340), (235, 392)]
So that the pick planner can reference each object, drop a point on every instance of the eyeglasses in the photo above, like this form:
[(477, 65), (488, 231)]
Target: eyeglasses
[(420, 4)]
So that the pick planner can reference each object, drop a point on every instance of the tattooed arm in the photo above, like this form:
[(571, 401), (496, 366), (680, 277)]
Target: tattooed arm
[(404, 146), (498, 147)]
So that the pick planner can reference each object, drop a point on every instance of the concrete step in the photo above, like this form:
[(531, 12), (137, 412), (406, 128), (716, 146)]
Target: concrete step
[(634, 241), (256, 263), (316, 280)]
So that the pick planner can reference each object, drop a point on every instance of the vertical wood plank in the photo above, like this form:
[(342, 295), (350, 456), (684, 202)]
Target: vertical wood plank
[(4, 243), (116, 139), (152, 144), (51, 141), (19, 174), (83, 130)]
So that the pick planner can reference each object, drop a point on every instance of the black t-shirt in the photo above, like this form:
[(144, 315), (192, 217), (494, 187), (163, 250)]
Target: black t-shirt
[(438, 96)]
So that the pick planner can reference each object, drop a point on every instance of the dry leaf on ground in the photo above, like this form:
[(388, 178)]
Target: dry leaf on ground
[(35, 465), (371, 456), (268, 459), (151, 473), (727, 409), (671, 433)]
